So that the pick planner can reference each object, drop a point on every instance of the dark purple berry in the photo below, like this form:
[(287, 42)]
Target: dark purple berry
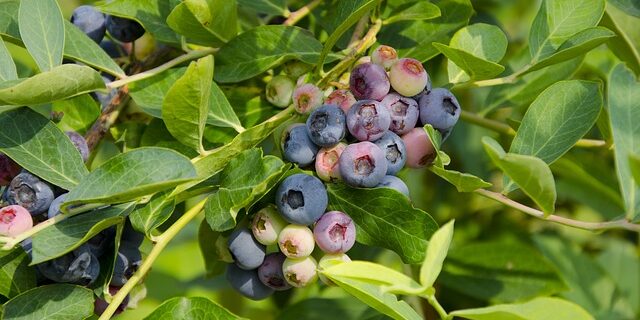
[(369, 81)]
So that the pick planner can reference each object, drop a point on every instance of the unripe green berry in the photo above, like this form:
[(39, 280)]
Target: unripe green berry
[(279, 91), (267, 225), (296, 241), (300, 272)]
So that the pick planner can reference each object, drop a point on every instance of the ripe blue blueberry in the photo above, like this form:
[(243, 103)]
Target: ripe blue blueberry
[(123, 29), (102, 241), (296, 241), (404, 112), (246, 251), (134, 257), (8, 170), (300, 272), (297, 147), (394, 151), (113, 49), (270, 272), (363, 164), (301, 199), (327, 125), (441, 109), (247, 283), (91, 21), (368, 120), (335, 232), (14, 220), (54, 208), (279, 91), (80, 143), (369, 81), (395, 183), (131, 237), (267, 225), (31, 193), (79, 266), (119, 270)]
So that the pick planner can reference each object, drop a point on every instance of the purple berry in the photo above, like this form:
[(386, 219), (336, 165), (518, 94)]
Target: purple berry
[(267, 225), (363, 164), (394, 151), (369, 81), (395, 183), (441, 109), (335, 232), (404, 112), (384, 56), (279, 91), (8, 170), (300, 272), (420, 151), (296, 241), (14, 220), (368, 120), (326, 125), (270, 272), (297, 147), (80, 143), (408, 77), (327, 162), (301, 199), (247, 283), (306, 98), (328, 260), (31, 193), (245, 250), (342, 98)]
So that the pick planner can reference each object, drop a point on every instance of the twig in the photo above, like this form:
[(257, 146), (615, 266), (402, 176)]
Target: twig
[(299, 14), (359, 30), (107, 118), (592, 226)]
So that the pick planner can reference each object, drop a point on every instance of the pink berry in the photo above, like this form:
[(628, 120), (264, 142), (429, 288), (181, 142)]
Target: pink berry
[(14, 220), (385, 56), (327, 165), (342, 98), (306, 98), (420, 151), (408, 77), (335, 232)]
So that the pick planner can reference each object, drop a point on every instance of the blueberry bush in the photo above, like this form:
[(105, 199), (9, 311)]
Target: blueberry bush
[(320, 159)]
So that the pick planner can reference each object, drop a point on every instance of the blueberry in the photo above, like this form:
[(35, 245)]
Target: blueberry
[(120, 267), (267, 225), (54, 208), (363, 164), (105, 98), (327, 165), (301, 199), (270, 272), (335, 232), (100, 305), (306, 98), (394, 151), (79, 266), (425, 91), (395, 183), (300, 272), (441, 109), (113, 49), (247, 283), (297, 147), (296, 241), (91, 21), (420, 151), (279, 91), (326, 125), (384, 56), (408, 77), (80, 143), (368, 120), (404, 112), (123, 29), (369, 81), (329, 259), (14, 220), (247, 252), (31, 193), (342, 98), (8, 170), (102, 241), (131, 237), (134, 257)]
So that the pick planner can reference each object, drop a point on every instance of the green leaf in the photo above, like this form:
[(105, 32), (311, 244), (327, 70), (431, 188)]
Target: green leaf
[(575, 46), (346, 307), (376, 274), (42, 31), (621, 45), (344, 15), (500, 271), (37, 145), (7, 67), (15, 275), (244, 181), (260, 49), (483, 41), (208, 22), (423, 10), (621, 262), (629, 7), (541, 308), (151, 14), (274, 7), (133, 174), (61, 82), (214, 249), (80, 113), (634, 166), (529, 172), (60, 238), (557, 20), (387, 219), (476, 68), (51, 302), (191, 308), (221, 112), (79, 47), (624, 114), (436, 253), (151, 215), (184, 109)]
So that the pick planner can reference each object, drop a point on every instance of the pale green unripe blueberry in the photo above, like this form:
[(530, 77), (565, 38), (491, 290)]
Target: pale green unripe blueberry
[(296, 241), (327, 261), (267, 225), (385, 56), (408, 77), (300, 272), (279, 91)]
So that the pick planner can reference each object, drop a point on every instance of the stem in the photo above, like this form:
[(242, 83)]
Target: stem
[(592, 226), (163, 241), (436, 305), (107, 118), (299, 14), (505, 129)]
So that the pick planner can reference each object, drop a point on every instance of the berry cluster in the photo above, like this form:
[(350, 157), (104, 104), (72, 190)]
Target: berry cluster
[(28, 200), (301, 201), (379, 115)]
